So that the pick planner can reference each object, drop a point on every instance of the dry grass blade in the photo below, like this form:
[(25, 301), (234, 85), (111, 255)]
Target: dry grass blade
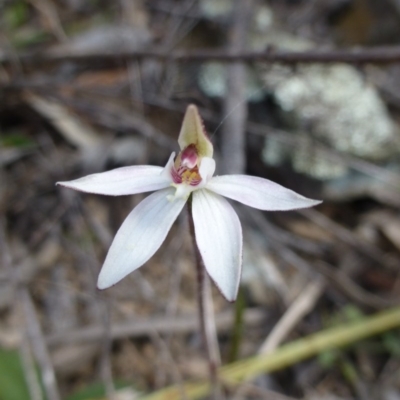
[(28, 364), (74, 130), (299, 308)]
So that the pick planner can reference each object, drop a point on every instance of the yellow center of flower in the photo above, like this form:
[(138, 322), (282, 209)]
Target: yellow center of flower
[(185, 169), (191, 177)]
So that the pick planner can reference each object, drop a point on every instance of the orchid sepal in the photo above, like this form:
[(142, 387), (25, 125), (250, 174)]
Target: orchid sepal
[(193, 133)]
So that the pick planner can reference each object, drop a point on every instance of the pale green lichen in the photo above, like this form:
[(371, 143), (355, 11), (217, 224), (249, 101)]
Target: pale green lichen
[(334, 104)]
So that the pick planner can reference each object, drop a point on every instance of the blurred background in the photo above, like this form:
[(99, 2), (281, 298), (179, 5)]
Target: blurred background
[(83, 89)]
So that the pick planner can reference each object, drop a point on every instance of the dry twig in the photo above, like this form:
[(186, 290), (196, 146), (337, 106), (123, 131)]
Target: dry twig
[(372, 55)]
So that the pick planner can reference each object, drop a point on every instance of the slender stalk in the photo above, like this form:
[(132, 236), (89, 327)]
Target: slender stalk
[(106, 371), (237, 330), (206, 313)]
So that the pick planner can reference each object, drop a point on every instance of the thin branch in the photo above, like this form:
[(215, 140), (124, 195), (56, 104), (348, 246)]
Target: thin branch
[(142, 327), (39, 346), (372, 55), (235, 105)]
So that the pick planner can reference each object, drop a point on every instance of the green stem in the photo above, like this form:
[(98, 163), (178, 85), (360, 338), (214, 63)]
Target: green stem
[(237, 333)]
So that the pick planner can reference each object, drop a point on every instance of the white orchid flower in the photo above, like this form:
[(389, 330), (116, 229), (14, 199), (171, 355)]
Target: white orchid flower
[(217, 226)]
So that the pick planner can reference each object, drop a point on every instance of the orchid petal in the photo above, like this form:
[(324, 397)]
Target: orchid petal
[(259, 193), (123, 181), (207, 168), (219, 239), (140, 236), (166, 172), (193, 133)]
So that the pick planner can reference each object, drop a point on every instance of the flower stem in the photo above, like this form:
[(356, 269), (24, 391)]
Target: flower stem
[(206, 313)]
